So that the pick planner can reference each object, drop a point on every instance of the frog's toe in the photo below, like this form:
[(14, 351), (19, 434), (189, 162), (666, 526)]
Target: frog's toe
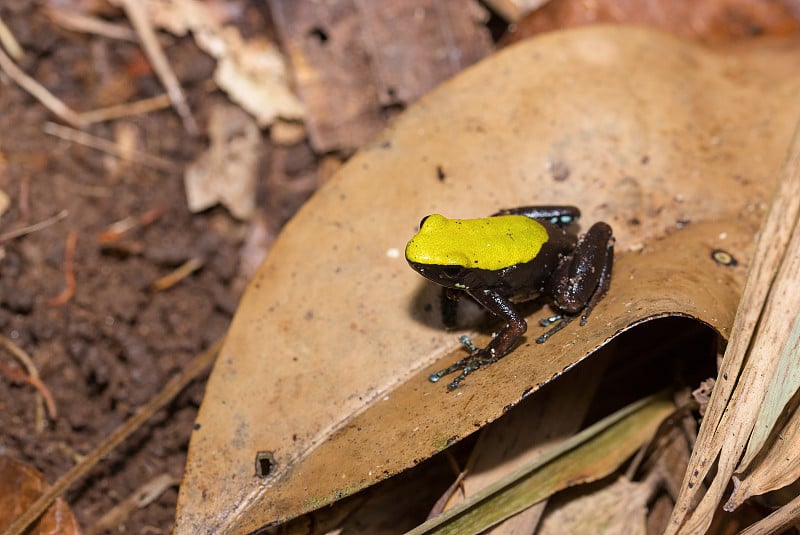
[(546, 322)]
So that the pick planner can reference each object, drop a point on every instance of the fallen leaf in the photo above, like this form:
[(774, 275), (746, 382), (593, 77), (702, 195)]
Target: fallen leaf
[(588, 456), (353, 61), (323, 377), (777, 467), (252, 72), (708, 20), (618, 508), (227, 171), (20, 485)]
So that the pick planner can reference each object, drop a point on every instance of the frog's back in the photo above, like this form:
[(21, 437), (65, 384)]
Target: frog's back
[(489, 243)]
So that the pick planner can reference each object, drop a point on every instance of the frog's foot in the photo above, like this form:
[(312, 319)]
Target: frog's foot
[(477, 359), (546, 322), (558, 322)]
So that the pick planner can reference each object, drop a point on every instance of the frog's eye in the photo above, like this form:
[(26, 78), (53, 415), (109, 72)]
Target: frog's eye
[(452, 272), (422, 221)]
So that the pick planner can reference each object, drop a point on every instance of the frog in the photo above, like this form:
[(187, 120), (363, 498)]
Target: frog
[(512, 256)]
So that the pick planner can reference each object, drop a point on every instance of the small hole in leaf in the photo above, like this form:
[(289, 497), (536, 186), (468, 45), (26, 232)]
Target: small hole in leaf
[(319, 34), (265, 463)]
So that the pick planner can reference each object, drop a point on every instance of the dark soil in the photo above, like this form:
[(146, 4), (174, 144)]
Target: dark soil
[(117, 341)]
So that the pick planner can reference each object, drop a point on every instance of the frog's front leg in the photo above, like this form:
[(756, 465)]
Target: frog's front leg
[(500, 344), (582, 278)]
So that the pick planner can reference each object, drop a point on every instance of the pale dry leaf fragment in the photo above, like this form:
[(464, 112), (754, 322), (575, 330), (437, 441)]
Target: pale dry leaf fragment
[(287, 132), (513, 10), (254, 75), (619, 508), (5, 202), (785, 380), (226, 172), (778, 467), (252, 72), (771, 461)]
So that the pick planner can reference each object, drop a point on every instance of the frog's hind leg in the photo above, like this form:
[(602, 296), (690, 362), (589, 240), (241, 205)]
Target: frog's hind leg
[(582, 279)]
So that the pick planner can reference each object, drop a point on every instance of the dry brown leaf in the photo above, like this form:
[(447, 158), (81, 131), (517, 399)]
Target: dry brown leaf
[(227, 172), (20, 485), (778, 466), (708, 20), (618, 508), (253, 73), (323, 377), (353, 59)]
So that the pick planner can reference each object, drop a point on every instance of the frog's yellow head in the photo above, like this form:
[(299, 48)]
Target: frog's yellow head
[(489, 243)]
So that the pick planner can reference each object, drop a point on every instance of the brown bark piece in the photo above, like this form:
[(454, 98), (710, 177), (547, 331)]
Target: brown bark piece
[(707, 20), (353, 59)]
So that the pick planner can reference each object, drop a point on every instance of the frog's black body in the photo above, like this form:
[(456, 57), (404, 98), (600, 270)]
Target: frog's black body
[(574, 272)]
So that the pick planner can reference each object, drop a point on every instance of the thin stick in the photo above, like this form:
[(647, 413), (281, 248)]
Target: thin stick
[(33, 373), (183, 271), (77, 22), (38, 92), (69, 271), (17, 375), (110, 147), (117, 230), (9, 42), (127, 109), (777, 521), (22, 231), (137, 499), (172, 389), (136, 14)]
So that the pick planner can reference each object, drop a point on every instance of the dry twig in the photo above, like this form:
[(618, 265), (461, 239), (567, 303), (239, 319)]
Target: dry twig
[(69, 271), (118, 229), (34, 380), (109, 147), (126, 110), (78, 22), (135, 11), (17, 376), (22, 231), (173, 278), (50, 101), (9, 42), (139, 498)]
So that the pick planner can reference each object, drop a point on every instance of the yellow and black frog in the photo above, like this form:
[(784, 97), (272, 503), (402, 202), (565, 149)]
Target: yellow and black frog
[(512, 256)]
